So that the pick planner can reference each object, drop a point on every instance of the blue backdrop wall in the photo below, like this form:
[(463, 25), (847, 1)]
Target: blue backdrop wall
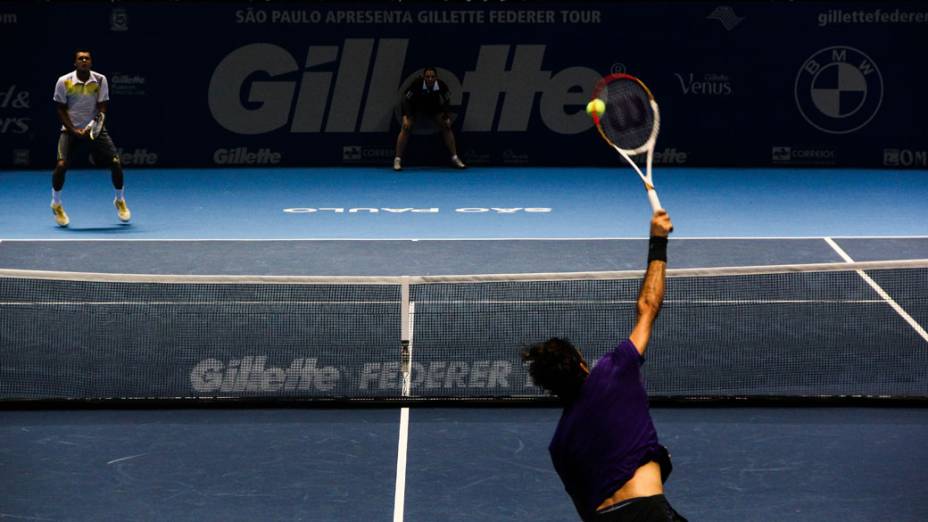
[(204, 84)]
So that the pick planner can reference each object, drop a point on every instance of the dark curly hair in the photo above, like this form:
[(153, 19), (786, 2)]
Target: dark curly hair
[(555, 365)]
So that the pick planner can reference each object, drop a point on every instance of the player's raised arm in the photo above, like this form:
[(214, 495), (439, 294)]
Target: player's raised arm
[(651, 294)]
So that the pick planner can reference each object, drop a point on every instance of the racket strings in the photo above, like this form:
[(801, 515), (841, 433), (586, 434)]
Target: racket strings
[(629, 118)]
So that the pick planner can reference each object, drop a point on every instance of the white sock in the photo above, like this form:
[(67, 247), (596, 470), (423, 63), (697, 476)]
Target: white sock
[(56, 197), (121, 193), (397, 159), (454, 158)]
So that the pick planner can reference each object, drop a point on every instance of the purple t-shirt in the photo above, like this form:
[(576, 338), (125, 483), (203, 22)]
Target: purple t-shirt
[(607, 433)]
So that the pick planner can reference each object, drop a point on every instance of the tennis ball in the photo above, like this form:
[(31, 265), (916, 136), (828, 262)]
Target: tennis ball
[(596, 106)]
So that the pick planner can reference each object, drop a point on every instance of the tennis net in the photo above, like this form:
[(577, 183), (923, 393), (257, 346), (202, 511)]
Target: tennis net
[(829, 330)]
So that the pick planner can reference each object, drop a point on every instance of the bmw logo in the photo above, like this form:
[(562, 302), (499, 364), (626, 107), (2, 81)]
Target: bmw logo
[(839, 90)]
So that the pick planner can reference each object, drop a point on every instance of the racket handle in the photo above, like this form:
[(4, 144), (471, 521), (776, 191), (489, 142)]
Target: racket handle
[(655, 203)]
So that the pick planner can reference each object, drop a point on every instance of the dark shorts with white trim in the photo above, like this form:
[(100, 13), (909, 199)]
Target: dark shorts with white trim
[(640, 509)]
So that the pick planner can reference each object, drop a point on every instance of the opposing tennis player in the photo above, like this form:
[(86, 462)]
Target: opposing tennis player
[(605, 447), (427, 96), (82, 96)]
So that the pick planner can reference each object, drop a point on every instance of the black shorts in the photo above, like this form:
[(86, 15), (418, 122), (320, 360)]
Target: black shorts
[(640, 509), (427, 110), (102, 150)]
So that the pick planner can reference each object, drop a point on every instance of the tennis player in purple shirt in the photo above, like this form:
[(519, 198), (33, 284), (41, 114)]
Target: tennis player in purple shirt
[(605, 448)]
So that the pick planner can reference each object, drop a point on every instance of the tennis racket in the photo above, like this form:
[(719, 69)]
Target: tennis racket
[(96, 125), (630, 123)]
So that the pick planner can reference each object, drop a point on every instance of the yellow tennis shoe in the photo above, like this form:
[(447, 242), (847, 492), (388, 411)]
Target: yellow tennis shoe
[(61, 217), (122, 210)]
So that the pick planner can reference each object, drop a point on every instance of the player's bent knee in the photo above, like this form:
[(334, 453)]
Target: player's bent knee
[(61, 165), (407, 127)]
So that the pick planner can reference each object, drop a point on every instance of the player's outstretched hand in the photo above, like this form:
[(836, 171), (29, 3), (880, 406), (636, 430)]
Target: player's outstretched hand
[(660, 224)]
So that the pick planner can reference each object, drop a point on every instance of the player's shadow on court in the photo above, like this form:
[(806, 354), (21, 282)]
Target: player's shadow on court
[(121, 228)]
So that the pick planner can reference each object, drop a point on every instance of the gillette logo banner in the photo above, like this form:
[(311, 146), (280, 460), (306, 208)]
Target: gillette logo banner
[(355, 87), (252, 375), (249, 374)]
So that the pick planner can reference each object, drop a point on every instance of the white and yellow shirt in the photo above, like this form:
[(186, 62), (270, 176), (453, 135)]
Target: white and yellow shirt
[(81, 97)]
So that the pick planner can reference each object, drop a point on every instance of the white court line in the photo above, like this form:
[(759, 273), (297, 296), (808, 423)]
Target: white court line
[(879, 290), (399, 496)]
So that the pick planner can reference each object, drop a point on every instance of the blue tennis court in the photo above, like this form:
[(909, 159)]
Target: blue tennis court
[(480, 203), (316, 314), (466, 462)]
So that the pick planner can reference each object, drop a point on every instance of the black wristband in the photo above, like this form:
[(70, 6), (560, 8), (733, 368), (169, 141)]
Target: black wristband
[(657, 249)]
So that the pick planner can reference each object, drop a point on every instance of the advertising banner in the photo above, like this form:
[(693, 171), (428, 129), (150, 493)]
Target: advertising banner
[(289, 84)]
